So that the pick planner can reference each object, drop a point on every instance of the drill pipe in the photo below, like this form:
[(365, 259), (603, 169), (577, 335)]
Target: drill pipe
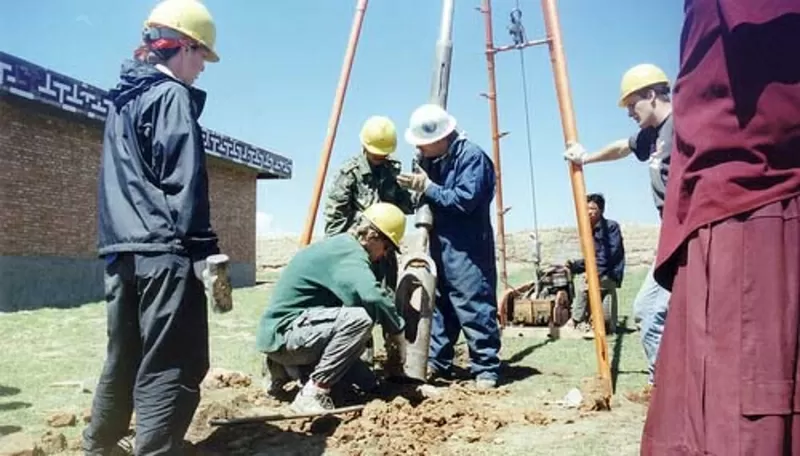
[(416, 286), (444, 52), (415, 298)]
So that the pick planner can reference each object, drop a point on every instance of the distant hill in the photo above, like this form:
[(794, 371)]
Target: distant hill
[(557, 245)]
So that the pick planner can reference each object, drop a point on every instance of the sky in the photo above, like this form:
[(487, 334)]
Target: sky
[(281, 60)]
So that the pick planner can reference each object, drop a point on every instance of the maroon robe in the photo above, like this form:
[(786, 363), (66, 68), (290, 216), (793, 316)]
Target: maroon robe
[(727, 371)]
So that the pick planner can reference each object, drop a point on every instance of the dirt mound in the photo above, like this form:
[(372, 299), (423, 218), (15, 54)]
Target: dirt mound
[(640, 397), (594, 396), (232, 407), (401, 427), (400, 419), (223, 378)]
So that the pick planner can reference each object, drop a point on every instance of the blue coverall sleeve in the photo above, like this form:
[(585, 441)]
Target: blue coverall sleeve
[(177, 153), (475, 182)]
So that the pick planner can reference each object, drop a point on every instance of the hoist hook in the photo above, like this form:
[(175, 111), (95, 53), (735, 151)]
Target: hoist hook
[(516, 29)]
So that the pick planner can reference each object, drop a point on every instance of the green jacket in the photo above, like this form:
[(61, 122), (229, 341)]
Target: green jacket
[(357, 186), (332, 272)]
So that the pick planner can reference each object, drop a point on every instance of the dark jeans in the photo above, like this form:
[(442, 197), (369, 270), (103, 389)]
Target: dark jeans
[(157, 354)]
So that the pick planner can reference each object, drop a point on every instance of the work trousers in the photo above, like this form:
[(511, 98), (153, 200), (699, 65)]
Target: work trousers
[(475, 312), (727, 371), (328, 340), (608, 295), (650, 308), (157, 354)]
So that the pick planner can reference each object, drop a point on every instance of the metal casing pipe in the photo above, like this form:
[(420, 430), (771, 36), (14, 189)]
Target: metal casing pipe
[(415, 299), (444, 53)]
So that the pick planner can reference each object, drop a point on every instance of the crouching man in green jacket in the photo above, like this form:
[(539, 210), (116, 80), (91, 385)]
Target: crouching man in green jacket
[(323, 307)]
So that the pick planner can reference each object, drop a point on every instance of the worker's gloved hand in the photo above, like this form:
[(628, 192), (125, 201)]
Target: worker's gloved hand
[(576, 153), (395, 355), (417, 181), (217, 282)]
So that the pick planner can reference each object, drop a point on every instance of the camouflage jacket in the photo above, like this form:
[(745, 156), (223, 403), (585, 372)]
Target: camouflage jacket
[(359, 185)]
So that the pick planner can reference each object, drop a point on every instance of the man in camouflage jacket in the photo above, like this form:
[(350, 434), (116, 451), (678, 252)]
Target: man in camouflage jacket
[(365, 179)]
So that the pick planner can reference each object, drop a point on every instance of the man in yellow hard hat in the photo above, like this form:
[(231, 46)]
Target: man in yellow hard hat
[(645, 93), (367, 178), (154, 230), (322, 309)]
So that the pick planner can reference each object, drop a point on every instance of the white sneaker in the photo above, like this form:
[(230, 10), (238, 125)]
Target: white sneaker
[(312, 399), (485, 383)]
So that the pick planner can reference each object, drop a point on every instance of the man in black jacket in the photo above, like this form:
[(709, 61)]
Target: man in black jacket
[(154, 230), (610, 256)]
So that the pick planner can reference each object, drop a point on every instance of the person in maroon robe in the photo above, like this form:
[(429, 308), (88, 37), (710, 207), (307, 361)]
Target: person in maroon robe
[(729, 250)]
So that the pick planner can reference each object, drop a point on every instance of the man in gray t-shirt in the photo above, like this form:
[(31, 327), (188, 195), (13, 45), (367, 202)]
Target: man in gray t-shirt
[(653, 145), (645, 93)]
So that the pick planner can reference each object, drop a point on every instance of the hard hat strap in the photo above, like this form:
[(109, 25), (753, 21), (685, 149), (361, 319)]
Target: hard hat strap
[(159, 39), (159, 33)]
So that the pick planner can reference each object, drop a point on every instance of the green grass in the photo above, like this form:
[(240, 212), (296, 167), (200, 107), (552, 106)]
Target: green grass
[(47, 346)]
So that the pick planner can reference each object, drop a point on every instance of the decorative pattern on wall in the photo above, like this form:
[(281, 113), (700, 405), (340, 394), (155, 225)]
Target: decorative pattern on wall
[(25, 79)]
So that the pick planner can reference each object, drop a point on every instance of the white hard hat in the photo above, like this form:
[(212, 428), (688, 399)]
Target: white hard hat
[(428, 124)]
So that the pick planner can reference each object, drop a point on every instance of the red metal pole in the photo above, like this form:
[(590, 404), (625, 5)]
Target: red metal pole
[(333, 122), (578, 191), (486, 9)]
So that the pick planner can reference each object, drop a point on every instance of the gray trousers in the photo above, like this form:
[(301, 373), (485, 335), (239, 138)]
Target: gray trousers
[(329, 340), (608, 294), (157, 354)]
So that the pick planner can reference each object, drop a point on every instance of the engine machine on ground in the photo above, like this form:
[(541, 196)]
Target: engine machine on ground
[(545, 301)]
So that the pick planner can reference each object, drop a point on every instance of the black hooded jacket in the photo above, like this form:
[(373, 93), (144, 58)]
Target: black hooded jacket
[(153, 185)]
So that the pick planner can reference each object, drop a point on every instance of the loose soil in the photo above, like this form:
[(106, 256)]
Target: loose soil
[(398, 419)]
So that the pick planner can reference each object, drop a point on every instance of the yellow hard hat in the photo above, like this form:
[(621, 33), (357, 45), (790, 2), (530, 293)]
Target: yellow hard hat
[(639, 77), (379, 136), (389, 219), (189, 17)]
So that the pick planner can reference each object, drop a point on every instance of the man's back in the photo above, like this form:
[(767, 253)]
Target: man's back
[(153, 188)]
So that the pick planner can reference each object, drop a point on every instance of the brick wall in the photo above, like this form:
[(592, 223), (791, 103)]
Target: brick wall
[(48, 169), (233, 209), (49, 161)]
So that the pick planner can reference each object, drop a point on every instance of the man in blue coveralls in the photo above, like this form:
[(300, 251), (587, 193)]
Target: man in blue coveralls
[(457, 180)]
